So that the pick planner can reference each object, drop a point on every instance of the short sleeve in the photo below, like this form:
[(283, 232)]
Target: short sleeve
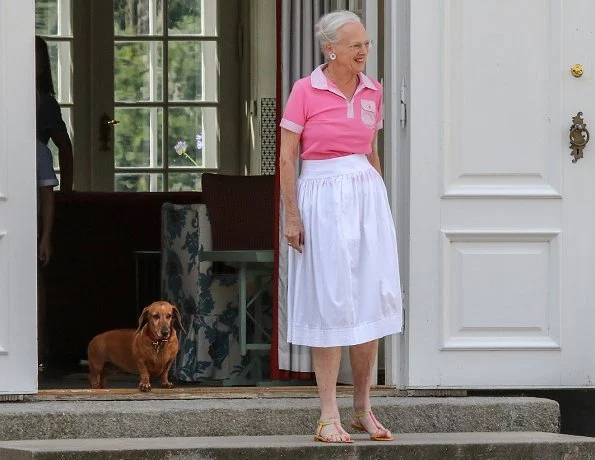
[(46, 176), (294, 116), (379, 104)]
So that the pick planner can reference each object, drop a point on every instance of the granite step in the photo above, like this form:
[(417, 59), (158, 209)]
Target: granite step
[(427, 446), (203, 417)]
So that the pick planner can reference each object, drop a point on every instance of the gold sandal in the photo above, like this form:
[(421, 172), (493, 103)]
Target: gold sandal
[(322, 424), (357, 424)]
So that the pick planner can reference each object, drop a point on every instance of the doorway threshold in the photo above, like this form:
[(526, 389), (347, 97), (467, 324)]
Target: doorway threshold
[(260, 392)]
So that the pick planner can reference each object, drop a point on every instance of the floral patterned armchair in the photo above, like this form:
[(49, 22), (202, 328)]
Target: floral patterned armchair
[(208, 302)]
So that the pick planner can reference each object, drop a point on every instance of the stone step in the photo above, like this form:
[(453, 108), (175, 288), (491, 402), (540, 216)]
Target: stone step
[(427, 446), (266, 417)]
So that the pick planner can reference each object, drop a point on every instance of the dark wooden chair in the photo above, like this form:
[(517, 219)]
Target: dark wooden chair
[(241, 210)]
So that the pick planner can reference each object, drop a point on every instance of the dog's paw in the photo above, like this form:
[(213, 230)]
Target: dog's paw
[(167, 385), (144, 387)]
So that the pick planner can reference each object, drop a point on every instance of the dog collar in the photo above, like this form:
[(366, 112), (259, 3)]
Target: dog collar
[(158, 343)]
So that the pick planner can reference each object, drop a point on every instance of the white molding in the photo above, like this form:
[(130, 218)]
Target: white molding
[(4, 288), (370, 15), (3, 106), (501, 191), (503, 337), (18, 250), (472, 235), (396, 172), (500, 343)]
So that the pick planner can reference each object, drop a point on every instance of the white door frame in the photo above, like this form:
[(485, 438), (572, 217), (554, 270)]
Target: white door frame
[(396, 167), (92, 25), (18, 267)]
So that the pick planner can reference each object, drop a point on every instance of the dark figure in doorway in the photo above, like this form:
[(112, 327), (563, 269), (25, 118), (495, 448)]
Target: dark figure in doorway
[(50, 124)]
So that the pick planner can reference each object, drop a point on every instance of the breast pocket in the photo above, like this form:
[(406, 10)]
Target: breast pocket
[(368, 111)]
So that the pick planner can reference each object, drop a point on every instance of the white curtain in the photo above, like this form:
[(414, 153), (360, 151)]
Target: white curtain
[(299, 56)]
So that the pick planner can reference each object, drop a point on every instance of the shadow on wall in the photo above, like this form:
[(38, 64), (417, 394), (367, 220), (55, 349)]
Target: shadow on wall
[(577, 407)]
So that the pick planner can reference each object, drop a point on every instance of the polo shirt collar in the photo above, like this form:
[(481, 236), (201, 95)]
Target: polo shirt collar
[(319, 81)]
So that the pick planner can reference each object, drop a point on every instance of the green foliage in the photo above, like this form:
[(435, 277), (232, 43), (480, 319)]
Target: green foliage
[(46, 17), (132, 83), (184, 17)]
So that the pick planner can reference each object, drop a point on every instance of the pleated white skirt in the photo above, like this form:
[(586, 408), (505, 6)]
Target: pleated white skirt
[(344, 288)]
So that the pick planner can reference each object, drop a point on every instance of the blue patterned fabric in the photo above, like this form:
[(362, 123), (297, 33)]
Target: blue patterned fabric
[(208, 302)]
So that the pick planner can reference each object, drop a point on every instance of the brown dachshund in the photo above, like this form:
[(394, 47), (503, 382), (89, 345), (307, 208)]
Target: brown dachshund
[(149, 350)]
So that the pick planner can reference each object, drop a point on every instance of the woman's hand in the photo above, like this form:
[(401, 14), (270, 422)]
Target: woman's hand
[(294, 232), (44, 251)]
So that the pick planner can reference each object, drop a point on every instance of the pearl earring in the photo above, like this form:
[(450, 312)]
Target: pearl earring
[(333, 56)]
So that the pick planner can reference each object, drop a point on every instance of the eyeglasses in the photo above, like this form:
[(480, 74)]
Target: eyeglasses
[(357, 47)]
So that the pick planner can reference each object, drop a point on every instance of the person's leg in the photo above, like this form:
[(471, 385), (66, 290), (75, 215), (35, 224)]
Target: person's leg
[(362, 358), (41, 324), (326, 367)]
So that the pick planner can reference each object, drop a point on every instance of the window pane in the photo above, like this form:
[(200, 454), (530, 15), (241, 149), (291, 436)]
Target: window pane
[(60, 62), (192, 71), (138, 17), (138, 137), (53, 18), (46, 17), (186, 182), (124, 182), (138, 71), (195, 17), (191, 134)]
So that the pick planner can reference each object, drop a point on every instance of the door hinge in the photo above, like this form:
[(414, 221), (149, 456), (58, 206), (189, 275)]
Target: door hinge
[(403, 104), (404, 323)]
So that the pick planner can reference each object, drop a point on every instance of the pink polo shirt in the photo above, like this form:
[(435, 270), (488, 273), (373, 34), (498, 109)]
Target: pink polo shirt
[(329, 124)]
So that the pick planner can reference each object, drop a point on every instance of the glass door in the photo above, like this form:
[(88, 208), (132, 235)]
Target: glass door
[(139, 87)]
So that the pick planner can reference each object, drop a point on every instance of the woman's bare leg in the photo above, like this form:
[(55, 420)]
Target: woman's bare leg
[(363, 357), (326, 366)]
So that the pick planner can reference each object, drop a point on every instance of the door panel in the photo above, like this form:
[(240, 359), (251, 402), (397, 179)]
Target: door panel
[(18, 337), (501, 97), (501, 225)]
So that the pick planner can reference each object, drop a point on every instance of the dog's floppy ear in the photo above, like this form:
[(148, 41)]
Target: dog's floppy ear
[(143, 319), (178, 318)]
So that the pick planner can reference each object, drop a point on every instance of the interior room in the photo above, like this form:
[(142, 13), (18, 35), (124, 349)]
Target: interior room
[(154, 94)]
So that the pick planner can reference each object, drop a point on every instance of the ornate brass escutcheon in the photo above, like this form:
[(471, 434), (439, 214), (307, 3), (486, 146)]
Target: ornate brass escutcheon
[(577, 70), (579, 136)]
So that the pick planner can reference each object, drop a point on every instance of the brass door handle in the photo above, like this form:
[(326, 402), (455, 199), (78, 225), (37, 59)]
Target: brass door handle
[(579, 136), (105, 123)]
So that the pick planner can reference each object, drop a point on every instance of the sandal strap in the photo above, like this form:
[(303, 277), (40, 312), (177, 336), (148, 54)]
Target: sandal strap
[(323, 423), (371, 414), (326, 422)]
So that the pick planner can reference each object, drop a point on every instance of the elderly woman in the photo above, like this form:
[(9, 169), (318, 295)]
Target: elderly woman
[(343, 275)]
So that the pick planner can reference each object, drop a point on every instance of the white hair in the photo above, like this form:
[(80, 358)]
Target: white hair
[(329, 24)]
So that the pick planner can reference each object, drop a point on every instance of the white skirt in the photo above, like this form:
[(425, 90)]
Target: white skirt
[(344, 288)]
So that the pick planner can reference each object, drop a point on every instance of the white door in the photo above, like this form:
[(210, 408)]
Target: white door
[(502, 288), (18, 298)]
